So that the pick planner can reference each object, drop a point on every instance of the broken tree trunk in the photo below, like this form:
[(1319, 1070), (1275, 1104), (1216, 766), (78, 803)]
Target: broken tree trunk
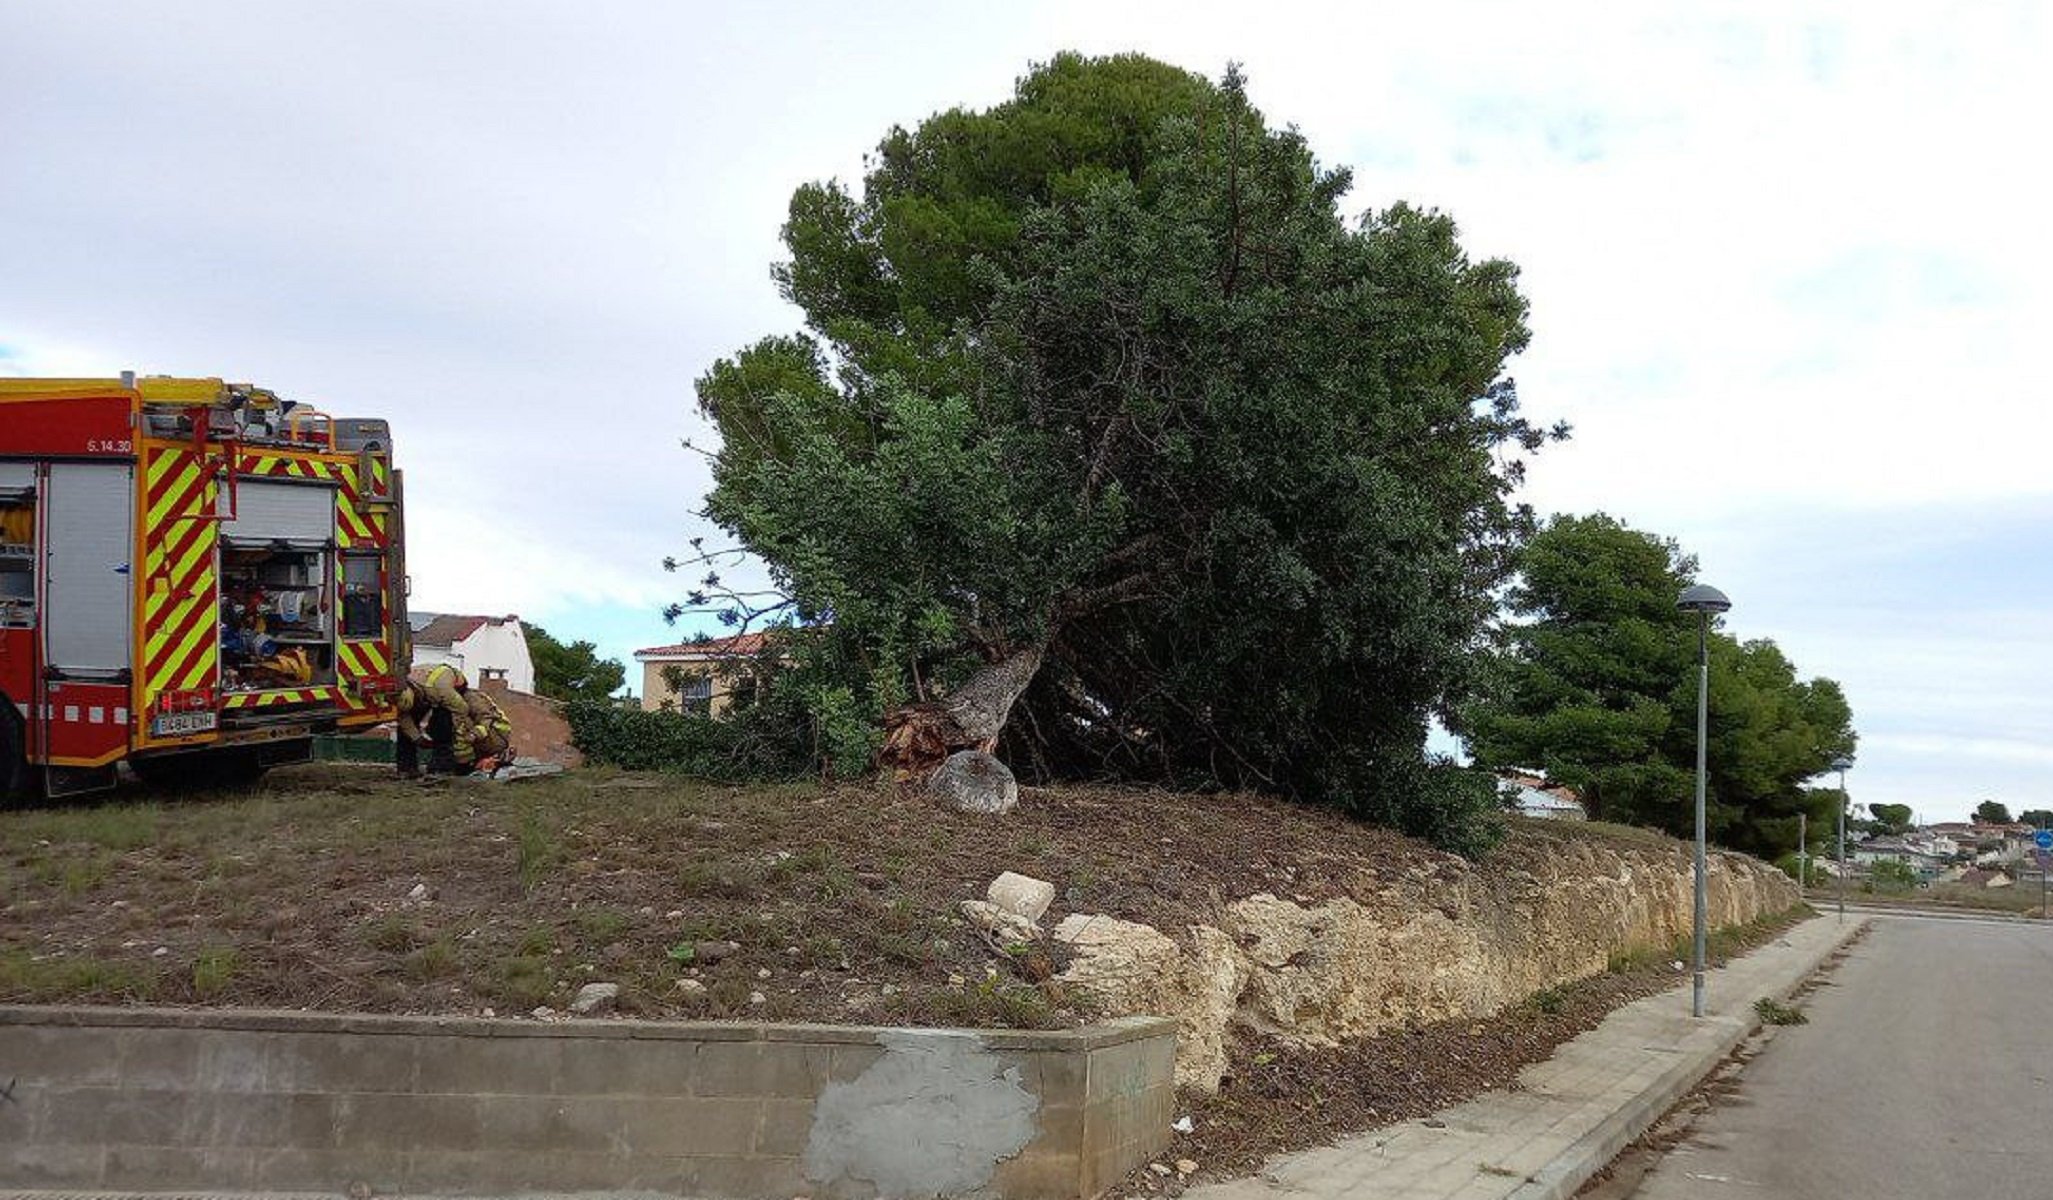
[(919, 737)]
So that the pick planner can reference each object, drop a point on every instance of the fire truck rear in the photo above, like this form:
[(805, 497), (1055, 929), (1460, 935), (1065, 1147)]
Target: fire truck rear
[(196, 578)]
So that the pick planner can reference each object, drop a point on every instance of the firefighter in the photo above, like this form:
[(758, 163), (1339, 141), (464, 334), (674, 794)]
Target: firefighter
[(491, 730), (434, 711)]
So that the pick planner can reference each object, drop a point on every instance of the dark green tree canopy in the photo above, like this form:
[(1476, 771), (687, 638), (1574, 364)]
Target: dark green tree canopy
[(1992, 812), (1597, 687), (1102, 381), (1891, 818), (574, 671), (2038, 817)]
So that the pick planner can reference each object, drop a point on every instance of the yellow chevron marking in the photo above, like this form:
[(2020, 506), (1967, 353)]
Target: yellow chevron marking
[(161, 506)]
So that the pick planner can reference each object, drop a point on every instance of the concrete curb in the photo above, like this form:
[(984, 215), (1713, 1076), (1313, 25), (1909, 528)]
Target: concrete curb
[(1565, 1118), (1561, 1178)]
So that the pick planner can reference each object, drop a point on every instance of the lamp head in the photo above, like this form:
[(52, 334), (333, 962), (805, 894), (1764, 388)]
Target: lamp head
[(1842, 763), (1702, 598)]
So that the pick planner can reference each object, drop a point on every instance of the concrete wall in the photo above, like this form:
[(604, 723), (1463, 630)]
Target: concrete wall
[(182, 1099)]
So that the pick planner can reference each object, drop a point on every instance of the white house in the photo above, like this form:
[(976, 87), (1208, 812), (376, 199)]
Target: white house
[(481, 647), (1536, 797)]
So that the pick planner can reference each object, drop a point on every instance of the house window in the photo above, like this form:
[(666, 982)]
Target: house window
[(695, 694)]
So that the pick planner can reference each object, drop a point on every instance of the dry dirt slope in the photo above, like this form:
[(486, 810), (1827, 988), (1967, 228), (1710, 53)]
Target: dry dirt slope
[(337, 887)]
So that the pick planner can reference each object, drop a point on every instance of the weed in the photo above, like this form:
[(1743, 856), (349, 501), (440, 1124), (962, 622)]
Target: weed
[(538, 851), (392, 935), (682, 953), (601, 926), (1550, 1000), (990, 1004), (1773, 1012), (213, 969), (539, 940), (718, 880), (436, 960), (521, 981), (1033, 845), (1637, 958), (24, 977)]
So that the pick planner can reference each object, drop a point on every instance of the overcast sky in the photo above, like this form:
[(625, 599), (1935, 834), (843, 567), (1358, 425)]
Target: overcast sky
[(1788, 266)]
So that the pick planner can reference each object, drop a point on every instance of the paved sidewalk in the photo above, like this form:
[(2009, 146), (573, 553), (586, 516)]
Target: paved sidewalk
[(1571, 1114)]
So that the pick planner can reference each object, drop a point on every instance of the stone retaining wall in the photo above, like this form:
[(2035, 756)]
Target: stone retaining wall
[(185, 1099)]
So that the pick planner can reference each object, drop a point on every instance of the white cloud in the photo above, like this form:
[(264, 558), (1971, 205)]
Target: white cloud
[(1786, 259)]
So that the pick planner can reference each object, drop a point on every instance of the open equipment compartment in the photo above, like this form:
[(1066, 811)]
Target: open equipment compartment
[(278, 581)]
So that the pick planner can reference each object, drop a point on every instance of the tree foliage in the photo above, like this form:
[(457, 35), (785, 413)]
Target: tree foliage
[(1992, 812), (1597, 686), (1103, 375), (1891, 818), (574, 671), (2038, 818)]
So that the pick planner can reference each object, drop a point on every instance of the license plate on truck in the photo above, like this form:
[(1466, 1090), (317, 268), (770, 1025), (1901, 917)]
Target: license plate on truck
[(180, 724)]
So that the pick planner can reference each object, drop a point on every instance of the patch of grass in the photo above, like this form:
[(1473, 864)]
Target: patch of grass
[(536, 941), (25, 978), (1773, 1012), (1549, 1000), (392, 935), (600, 926), (522, 981), (538, 850), (991, 1003), (214, 969), (436, 960), (1637, 958), (117, 827), (718, 881)]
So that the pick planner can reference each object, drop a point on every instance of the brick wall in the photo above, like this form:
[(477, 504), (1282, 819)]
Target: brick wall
[(539, 730), (183, 1099)]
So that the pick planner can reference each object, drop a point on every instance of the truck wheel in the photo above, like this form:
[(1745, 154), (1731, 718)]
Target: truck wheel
[(14, 760)]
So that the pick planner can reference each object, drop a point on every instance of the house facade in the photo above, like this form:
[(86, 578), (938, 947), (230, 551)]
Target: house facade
[(1536, 797), (483, 648), (704, 677)]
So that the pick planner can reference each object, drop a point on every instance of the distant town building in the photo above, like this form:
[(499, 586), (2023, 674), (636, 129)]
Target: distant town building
[(1536, 797), (483, 648), (699, 677)]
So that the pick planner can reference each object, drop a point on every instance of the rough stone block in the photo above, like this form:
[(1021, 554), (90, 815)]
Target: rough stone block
[(784, 1127), (624, 1068), (56, 1168), (295, 1169), (59, 1057), (697, 1126), (483, 1066), (1038, 1176), (738, 1178), (782, 1070), (167, 1167), (1021, 895), (395, 1122)]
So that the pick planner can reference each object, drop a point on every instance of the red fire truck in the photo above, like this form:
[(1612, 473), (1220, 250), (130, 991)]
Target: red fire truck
[(196, 578)]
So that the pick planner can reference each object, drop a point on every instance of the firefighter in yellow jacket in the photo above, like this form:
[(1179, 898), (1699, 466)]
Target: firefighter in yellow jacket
[(491, 730), (434, 711)]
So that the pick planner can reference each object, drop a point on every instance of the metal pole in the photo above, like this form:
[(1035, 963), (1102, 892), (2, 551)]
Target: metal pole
[(1696, 1004), (1803, 850), (1842, 847)]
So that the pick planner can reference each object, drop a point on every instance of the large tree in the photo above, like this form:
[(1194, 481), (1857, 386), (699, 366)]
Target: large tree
[(1105, 404), (1597, 687), (574, 670)]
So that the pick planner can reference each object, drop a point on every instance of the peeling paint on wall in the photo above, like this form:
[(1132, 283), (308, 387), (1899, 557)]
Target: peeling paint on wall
[(933, 1117)]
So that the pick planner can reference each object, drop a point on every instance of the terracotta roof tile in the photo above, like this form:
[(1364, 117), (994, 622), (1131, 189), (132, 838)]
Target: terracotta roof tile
[(741, 645)]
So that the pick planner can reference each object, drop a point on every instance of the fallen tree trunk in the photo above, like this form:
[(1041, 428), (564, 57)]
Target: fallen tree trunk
[(918, 738)]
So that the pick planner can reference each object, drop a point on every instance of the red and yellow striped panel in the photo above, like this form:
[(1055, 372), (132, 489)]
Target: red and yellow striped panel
[(357, 525), (356, 660), (280, 696), (181, 648)]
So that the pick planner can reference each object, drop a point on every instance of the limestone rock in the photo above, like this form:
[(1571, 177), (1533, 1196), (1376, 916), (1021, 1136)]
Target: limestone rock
[(1449, 940), (1021, 895), (708, 953), (595, 998), (975, 782), (1000, 926)]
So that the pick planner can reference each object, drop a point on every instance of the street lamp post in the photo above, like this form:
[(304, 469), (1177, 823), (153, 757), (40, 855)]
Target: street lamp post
[(1840, 765), (1703, 600)]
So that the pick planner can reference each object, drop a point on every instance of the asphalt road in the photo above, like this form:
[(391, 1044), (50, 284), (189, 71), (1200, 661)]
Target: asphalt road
[(1926, 1071)]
